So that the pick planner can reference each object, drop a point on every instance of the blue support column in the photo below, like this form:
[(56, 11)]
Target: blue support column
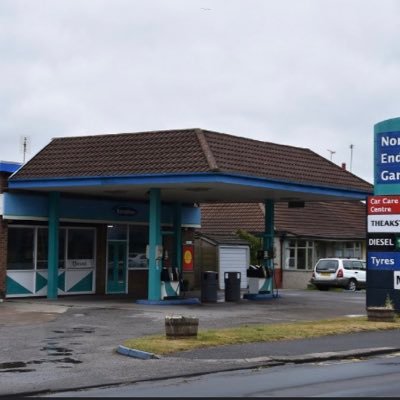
[(269, 232), (155, 240), (178, 236), (54, 212)]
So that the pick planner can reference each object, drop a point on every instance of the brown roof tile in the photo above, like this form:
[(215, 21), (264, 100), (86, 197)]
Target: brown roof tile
[(227, 218), (185, 151), (118, 155), (280, 162), (328, 220), (336, 219)]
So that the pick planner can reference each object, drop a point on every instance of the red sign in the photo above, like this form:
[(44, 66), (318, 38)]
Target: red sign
[(187, 255), (383, 205)]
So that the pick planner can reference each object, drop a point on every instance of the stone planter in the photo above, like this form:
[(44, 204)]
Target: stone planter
[(180, 327), (382, 314)]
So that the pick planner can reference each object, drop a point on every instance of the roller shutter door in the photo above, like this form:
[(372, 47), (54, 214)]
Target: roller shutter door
[(233, 259)]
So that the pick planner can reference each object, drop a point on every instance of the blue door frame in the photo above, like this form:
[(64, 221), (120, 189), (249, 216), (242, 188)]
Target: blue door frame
[(116, 266)]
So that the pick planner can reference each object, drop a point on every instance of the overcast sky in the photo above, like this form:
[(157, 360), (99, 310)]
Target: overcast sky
[(310, 73)]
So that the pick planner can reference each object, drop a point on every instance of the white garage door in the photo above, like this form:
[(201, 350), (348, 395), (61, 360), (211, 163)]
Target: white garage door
[(233, 259)]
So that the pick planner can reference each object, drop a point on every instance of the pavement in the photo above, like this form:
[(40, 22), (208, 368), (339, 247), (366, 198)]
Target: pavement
[(50, 346)]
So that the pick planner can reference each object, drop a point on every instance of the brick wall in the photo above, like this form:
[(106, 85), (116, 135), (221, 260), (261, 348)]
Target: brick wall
[(138, 283), (3, 181)]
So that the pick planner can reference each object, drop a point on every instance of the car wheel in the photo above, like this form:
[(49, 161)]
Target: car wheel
[(352, 285)]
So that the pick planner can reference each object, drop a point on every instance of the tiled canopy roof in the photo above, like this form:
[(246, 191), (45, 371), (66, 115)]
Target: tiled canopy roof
[(328, 220), (184, 151), (227, 218)]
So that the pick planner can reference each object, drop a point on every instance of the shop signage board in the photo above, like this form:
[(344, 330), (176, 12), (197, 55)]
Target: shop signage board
[(383, 220), (384, 261), (387, 161), (383, 205), (397, 280), (383, 239), (383, 242), (187, 255), (384, 223)]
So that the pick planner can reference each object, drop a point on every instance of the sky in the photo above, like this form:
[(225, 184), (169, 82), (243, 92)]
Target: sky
[(316, 74)]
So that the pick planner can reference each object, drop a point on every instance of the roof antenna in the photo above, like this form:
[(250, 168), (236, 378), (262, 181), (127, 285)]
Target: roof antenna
[(351, 156), (25, 147), (332, 152)]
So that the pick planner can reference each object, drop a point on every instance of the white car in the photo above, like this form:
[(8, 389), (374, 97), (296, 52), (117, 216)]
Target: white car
[(347, 273)]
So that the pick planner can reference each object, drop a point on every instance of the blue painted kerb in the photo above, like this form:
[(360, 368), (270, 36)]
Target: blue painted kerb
[(144, 355), (188, 301), (259, 296)]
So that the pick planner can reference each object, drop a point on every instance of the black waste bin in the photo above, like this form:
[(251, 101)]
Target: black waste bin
[(232, 286), (209, 287)]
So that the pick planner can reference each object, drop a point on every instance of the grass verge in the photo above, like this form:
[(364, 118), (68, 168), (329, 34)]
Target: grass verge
[(159, 344)]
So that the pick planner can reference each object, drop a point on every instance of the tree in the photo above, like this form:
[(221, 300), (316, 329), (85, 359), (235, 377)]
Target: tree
[(255, 244)]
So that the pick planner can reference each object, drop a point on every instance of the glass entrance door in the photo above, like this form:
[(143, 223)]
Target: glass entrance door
[(116, 267)]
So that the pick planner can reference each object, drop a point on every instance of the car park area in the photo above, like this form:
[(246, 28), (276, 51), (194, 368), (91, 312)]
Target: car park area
[(71, 342)]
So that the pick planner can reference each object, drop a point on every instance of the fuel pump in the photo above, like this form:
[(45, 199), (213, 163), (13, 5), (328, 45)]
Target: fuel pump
[(266, 258), (170, 280), (260, 276)]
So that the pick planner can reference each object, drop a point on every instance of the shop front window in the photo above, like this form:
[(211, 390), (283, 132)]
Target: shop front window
[(20, 252), (28, 248), (42, 248), (61, 248), (80, 251), (138, 239)]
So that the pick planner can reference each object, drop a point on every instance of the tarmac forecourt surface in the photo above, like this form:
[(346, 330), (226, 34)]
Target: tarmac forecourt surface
[(70, 343)]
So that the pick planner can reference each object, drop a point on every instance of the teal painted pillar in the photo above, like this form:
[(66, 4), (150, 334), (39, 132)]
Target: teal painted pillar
[(54, 216), (155, 240), (178, 236), (268, 242)]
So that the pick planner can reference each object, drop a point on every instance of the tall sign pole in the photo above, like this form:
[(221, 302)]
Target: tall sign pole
[(383, 246)]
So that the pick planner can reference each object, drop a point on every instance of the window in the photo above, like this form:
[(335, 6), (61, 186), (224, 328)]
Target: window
[(117, 232), (347, 264), (299, 254), (358, 265), (327, 265), (348, 249), (138, 239), (80, 244), (42, 248), (21, 248), (61, 248), (28, 247)]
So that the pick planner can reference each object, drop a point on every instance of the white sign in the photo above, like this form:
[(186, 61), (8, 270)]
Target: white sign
[(74, 264), (396, 275), (384, 223)]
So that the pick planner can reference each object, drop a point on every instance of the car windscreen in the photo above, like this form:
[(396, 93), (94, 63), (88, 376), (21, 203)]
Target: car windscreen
[(327, 265)]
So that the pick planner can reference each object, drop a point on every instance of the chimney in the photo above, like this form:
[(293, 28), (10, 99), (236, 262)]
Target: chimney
[(343, 165)]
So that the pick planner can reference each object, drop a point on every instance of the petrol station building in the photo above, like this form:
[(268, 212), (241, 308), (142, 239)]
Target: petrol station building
[(107, 214)]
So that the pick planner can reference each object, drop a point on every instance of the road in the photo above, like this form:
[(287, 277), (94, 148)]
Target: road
[(375, 377)]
